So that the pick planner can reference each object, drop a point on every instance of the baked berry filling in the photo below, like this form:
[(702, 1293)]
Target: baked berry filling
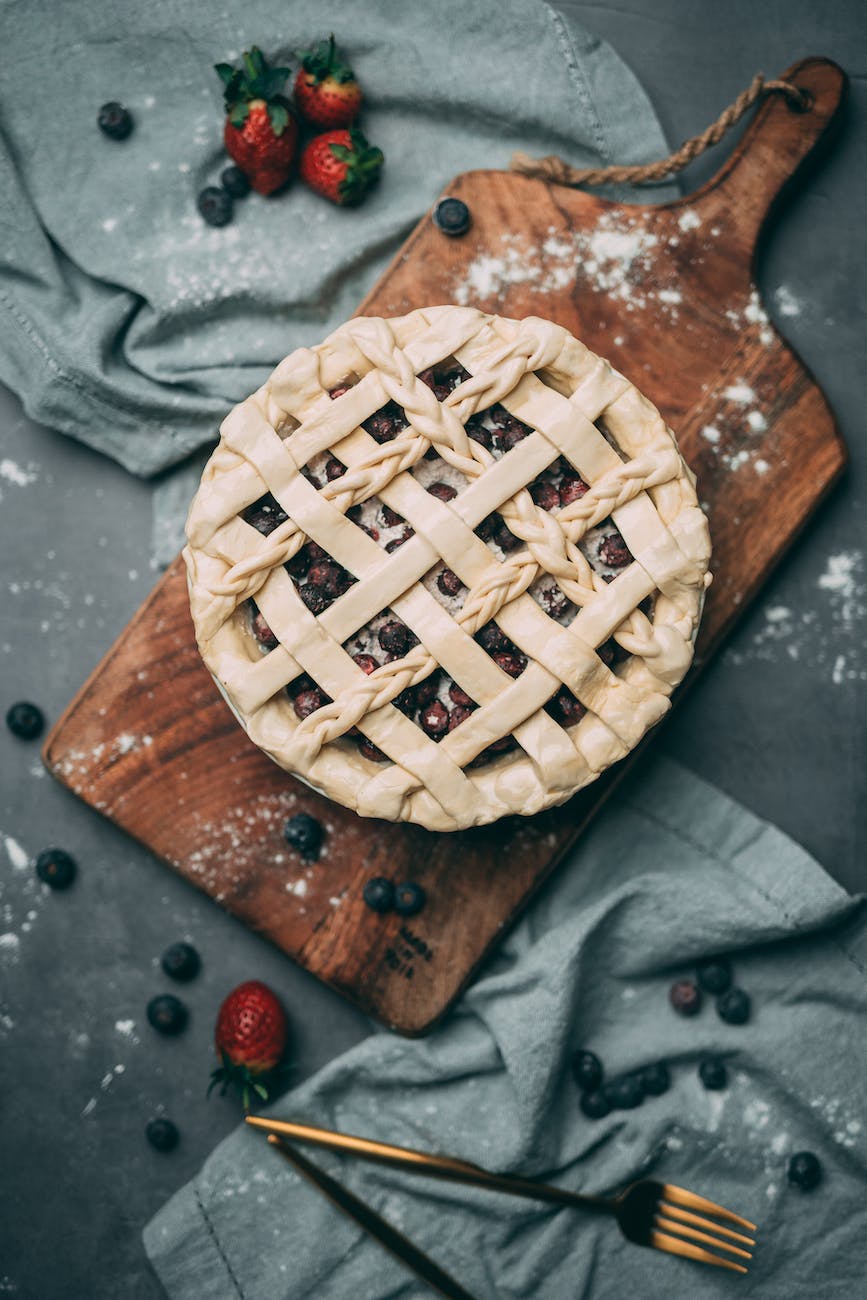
[(613, 551), (261, 631), (265, 515), (386, 423), (318, 578)]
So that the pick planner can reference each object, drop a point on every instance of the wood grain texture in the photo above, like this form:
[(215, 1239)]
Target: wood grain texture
[(667, 294)]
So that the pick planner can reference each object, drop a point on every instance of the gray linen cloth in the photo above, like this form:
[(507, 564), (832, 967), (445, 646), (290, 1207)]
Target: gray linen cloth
[(671, 871), (130, 324)]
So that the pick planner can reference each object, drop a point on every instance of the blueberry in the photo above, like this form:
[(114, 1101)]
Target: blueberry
[(586, 1070), (396, 638), (181, 961), (409, 898), (25, 720), (56, 867), (167, 1014), (804, 1171), (595, 1105), (713, 1073), (452, 217), (685, 997), (162, 1134), (234, 182), (304, 834), (714, 976), (655, 1079), (215, 206), (624, 1093), (733, 1007), (379, 894), (114, 120)]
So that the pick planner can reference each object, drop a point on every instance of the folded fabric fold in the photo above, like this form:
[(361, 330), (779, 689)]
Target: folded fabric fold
[(671, 872)]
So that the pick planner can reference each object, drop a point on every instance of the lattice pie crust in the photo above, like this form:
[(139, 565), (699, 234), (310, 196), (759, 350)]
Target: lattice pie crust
[(405, 578)]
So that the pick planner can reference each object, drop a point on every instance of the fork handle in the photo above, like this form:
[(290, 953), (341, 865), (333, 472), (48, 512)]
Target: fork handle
[(446, 1168)]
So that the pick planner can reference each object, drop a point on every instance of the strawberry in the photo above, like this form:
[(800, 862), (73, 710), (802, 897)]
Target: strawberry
[(326, 92), (261, 132), (250, 1039), (341, 165)]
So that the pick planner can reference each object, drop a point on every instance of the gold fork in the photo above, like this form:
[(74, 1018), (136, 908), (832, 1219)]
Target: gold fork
[(649, 1213)]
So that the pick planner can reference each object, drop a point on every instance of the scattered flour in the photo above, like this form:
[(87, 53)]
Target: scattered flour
[(10, 945), (18, 858), (829, 636), (126, 1029), (14, 473), (740, 393), (841, 577), (613, 259), (689, 220), (22, 894), (844, 1127), (786, 302), (753, 314)]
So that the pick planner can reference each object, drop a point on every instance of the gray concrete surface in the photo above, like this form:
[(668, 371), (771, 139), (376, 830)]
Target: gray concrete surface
[(778, 721)]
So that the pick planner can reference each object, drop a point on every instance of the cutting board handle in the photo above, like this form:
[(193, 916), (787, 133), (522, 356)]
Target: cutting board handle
[(777, 141)]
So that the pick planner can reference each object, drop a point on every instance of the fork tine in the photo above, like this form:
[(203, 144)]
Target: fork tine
[(681, 1230), (675, 1246), (697, 1221), (680, 1196)]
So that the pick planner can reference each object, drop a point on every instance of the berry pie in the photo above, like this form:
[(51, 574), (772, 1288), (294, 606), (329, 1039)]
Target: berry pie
[(447, 567)]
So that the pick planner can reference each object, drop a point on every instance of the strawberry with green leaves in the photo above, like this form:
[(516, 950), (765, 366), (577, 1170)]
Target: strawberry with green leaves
[(261, 132), (326, 91), (250, 1039), (341, 166)]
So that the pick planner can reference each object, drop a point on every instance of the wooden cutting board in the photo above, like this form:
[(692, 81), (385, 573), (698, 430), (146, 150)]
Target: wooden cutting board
[(667, 294)]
